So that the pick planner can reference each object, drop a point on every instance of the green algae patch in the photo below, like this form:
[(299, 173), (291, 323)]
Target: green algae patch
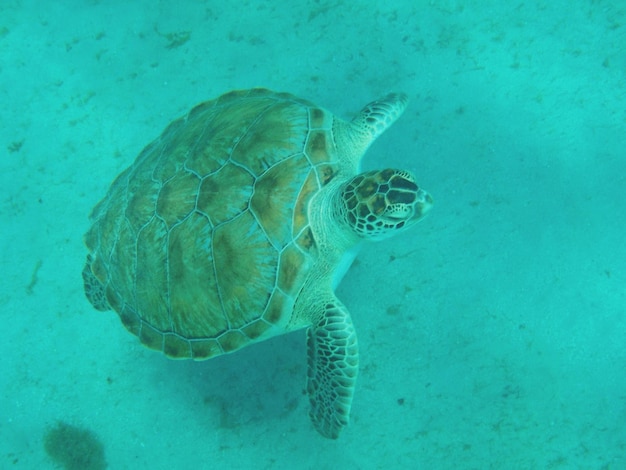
[(74, 448)]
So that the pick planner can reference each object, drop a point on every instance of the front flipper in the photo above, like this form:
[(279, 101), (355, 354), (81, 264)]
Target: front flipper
[(333, 364)]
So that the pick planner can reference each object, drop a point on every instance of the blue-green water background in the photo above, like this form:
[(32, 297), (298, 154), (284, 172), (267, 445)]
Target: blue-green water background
[(492, 335)]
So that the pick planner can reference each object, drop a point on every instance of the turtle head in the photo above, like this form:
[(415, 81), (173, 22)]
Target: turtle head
[(378, 204)]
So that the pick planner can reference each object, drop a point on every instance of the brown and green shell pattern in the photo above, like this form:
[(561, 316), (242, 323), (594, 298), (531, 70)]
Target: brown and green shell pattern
[(165, 241)]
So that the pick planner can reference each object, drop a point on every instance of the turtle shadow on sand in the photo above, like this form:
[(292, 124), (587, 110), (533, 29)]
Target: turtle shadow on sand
[(74, 448)]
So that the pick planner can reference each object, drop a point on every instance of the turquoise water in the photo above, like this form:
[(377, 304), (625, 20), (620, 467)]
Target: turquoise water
[(492, 334)]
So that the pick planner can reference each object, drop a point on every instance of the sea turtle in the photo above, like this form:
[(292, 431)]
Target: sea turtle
[(237, 224)]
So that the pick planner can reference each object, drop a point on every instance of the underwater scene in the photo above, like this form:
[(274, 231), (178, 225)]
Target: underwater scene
[(241, 182)]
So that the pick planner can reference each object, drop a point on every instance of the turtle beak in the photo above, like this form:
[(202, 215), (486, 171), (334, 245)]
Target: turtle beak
[(423, 203)]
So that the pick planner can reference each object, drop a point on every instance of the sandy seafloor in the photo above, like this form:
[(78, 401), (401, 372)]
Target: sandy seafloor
[(492, 335)]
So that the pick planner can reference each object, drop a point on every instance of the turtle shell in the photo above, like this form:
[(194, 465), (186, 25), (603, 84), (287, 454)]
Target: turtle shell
[(203, 244)]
